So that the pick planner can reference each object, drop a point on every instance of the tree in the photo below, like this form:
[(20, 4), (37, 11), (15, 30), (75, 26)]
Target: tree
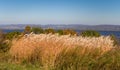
[(90, 33)]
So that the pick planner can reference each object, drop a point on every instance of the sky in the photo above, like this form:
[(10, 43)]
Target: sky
[(88, 12)]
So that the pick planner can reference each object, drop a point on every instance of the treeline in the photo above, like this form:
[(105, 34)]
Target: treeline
[(39, 30)]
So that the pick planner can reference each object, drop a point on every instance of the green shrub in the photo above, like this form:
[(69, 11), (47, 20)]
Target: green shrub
[(90, 33), (12, 35), (4, 47), (60, 32), (37, 30), (6, 41), (69, 31), (2, 36), (49, 30)]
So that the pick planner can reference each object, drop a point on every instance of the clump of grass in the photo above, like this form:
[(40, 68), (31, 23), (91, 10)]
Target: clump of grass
[(60, 52)]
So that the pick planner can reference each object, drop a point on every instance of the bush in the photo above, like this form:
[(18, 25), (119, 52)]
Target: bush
[(3, 45), (2, 36), (60, 32), (69, 31), (49, 30), (90, 33), (12, 35), (37, 30), (6, 41)]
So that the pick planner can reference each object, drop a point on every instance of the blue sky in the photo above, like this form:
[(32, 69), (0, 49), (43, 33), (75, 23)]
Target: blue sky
[(90, 12)]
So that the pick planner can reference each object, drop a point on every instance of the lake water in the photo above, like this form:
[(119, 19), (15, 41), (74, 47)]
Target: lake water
[(116, 33)]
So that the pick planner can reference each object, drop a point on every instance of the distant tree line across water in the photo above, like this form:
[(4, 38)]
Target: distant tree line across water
[(39, 30)]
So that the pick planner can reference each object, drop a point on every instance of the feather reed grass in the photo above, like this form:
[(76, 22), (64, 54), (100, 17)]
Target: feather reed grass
[(56, 51)]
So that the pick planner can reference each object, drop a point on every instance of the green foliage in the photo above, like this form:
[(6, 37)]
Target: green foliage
[(60, 32), (49, 30), (37, 30), (6, 40), (2, 36), (90, 33), (67, 32), (4, 47), (12, 35)]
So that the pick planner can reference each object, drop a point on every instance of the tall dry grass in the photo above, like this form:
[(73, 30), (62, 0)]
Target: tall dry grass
[(47, 48)]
